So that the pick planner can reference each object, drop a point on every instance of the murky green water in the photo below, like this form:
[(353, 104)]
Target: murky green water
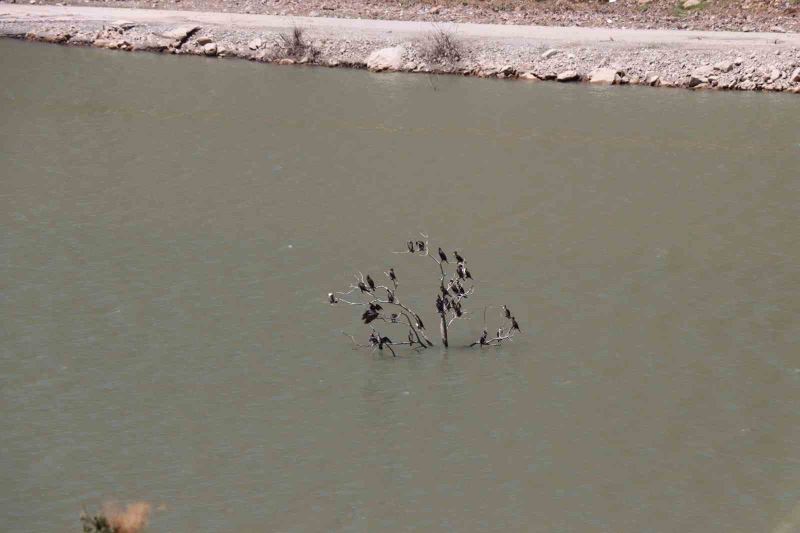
[(170, 228)]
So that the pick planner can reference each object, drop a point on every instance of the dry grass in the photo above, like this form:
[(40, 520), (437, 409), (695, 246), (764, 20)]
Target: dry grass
[(442, 47), (113, 519), (295, 46)]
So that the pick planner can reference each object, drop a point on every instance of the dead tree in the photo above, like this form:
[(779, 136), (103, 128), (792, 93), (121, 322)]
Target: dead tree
[(454, 288)]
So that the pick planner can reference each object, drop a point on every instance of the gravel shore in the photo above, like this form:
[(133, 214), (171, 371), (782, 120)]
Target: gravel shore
[(732, 15), (768, 67)]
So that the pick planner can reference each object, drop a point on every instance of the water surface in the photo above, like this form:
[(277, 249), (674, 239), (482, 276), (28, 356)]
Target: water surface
[(171, 226)]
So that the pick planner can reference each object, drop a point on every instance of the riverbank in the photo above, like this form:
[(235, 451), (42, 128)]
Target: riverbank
[(671, 58)]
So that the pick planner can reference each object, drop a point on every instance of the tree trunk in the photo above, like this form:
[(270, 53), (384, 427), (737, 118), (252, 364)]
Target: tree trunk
[(443, 329)]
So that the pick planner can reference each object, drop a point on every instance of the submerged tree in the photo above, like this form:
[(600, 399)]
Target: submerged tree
[(454, 288)]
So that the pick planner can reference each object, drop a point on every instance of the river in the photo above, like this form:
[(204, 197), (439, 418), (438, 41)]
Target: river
[(171, 228)]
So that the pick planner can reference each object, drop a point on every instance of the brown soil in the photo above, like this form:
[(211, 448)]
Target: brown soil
[(736, 15)]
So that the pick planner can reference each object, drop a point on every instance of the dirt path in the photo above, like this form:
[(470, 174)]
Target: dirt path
[(385, 29)]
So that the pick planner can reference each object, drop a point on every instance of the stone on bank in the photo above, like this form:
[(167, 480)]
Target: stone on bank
[(386, 59)]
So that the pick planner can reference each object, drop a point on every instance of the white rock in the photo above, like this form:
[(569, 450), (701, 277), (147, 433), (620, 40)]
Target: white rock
[(123, 24), (550, 53), (724, 66), (603, 75), (255, 44), (774, 75), (738, 61), (386, 59), (568, 75), (210, 49), (528, 76), (181, 33)]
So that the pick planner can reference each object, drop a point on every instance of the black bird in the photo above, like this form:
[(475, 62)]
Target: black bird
[(373, 339), (362, 287), (386, 341), (484, 335), (514, 325), (507, 311), (439, 304), (421, 246), (420, 325), (467, 274), (331, 298), (461, 271), (457, 309), (392, 276), (370, 282), (443, 289), (393, 317), (410, 245), (375, 307), (390, 296), (458, 257), (369, 315), (442, 255)]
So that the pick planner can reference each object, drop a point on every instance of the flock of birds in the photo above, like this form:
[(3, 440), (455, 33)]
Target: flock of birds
[(449, 299)]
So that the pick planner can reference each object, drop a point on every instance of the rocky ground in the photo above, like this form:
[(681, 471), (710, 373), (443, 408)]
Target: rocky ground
[(769, 68), (734, 15)]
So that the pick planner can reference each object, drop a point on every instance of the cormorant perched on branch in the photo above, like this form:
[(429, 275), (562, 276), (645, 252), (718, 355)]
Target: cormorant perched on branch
[(458, 257), (390, 296), (468, 275), (439, 304), (443, 289), (369, 315), (410, 245), (332, 298), (362, 287), (375, 307), (386, 341), (392, 275), (393, 318), (482, 340), (507, 311), (421, 246), (514, 325), (370, 282), (461, 271), (442, 255)]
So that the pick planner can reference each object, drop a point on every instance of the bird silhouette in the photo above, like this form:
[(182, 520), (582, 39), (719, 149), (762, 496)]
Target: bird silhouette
[(369, 315), (331, 298), (507, 311), (370, 282), (443, 256), (514, 325), (458, 257), (392, 275)]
